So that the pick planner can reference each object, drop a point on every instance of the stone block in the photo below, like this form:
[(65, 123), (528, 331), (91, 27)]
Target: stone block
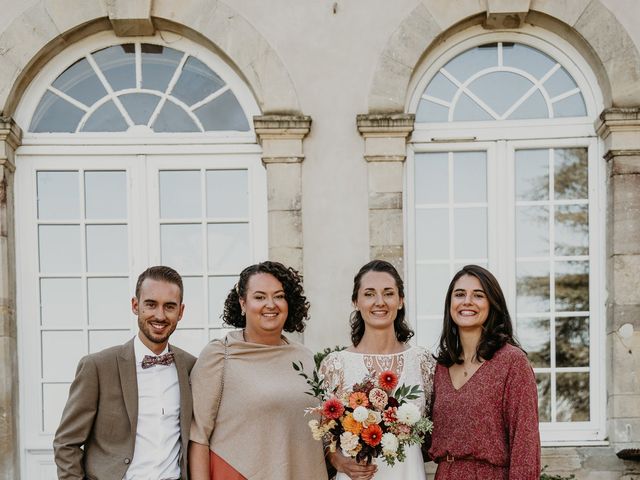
[(601, 460), (623, 71), (567, 12), (385, 148), (68, 14), (623, 405), (289, 256), (285, 229), (382, 201), (625, 198), (624, 431), (393, 254), (284, 186), (130, 17), (599, 26), (385, 177), (625, 274), (561, 459), (415, 33), (625, 364), (9, 453), (506, 13), (446, 16), (627, 164), (385, 228), (618, 315), (389, 85)]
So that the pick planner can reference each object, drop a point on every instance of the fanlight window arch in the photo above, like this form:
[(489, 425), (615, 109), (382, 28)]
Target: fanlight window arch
[(501, 81), (138, 87)]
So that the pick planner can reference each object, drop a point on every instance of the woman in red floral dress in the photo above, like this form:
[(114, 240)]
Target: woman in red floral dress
[(485, 411)]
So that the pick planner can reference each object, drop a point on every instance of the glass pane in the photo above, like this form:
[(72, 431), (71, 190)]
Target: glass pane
[(107, 248), (572, 397), (500, 90), (470, 232), (431, 178), (572, 106), (55, 115), (80, 82), (469, 177), (441, 87), (61, 352), (140, 106), (101, 339), (107, 118), (106, 195), (532, 287), (219, 288), (58, 196), (59, 248), (118, 65), (61, 302), (109, 302), (543, 381), (223, 113), (559, 83), (533, 107), (180, 195), (571, 173), (526, 58), (431, 112), (181, 247), (54, 398), (572, 230), (532, 174), (193, 301), (229, 247), (431, 283), (173, 119), (532, 231), (468, 109), (472, 61), (572, 286), (432, 233), (196, 82), (534, 336), (572, 342), (227, 193), (191, 340), (158, 66)]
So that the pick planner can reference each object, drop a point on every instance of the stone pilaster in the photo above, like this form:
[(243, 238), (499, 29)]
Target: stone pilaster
[(385, 150), (620, 130), (10, 138), (282, 154)]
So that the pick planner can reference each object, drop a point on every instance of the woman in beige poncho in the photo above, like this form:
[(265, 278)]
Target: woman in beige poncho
[(248, 410)]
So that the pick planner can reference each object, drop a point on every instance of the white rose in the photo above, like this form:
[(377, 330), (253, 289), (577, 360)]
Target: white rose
[(408, 413), (389, 443), (360, 414), (348, 442)]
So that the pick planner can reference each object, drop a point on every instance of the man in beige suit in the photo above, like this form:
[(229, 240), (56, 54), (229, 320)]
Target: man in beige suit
[(129, 409)]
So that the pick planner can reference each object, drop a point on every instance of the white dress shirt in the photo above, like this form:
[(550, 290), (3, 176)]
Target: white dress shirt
[(157, 450)]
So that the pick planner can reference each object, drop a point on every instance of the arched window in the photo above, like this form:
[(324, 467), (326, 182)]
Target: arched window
[(504, 173), (137, 153)]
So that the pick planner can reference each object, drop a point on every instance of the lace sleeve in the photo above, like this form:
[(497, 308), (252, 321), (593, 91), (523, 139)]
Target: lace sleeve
[(428, 370), (332, 373)]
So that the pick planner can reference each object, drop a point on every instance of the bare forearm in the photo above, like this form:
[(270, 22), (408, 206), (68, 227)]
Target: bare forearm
[(198, 461)]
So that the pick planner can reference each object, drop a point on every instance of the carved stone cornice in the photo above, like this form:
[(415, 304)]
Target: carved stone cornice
[(620, 130), (385, 135), (281, 137), (10, 140)]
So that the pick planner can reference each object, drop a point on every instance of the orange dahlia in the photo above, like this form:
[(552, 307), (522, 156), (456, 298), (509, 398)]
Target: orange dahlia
[(350, 424), (358, 399), (388, 380), (372, 435), (332, 408)]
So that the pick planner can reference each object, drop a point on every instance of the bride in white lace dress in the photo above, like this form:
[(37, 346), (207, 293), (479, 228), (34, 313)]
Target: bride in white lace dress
[(379, 334)]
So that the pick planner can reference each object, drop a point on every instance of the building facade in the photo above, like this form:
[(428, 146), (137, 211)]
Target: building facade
[(208, 135)]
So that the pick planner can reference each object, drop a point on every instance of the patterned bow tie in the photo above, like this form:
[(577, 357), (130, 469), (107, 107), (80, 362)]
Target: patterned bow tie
[(150, 360)]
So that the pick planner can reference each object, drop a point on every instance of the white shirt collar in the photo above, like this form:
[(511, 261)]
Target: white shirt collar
[(140, 349)]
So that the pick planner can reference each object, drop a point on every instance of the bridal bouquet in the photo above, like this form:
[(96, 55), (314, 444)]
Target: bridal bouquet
[(371, 420)]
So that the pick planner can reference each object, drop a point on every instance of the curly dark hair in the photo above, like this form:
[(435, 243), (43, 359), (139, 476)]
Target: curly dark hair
[(496, 331), (403, 332), (291, 282)]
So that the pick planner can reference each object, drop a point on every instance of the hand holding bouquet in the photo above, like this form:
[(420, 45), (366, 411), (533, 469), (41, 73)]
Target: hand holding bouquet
[(373, 419)]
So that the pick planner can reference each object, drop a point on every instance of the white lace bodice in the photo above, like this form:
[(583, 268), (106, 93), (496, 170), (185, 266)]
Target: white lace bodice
[(414, 366)]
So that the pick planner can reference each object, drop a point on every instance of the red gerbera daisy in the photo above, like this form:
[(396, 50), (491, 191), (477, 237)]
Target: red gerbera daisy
[(372, 435), (332, 408), (388, 380)]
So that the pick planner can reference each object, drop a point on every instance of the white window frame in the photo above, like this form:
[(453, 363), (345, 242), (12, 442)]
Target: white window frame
[(500, 139), (108, 151)]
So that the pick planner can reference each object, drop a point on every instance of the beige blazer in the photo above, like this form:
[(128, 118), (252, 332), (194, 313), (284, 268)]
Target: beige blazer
[(97, 433)]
